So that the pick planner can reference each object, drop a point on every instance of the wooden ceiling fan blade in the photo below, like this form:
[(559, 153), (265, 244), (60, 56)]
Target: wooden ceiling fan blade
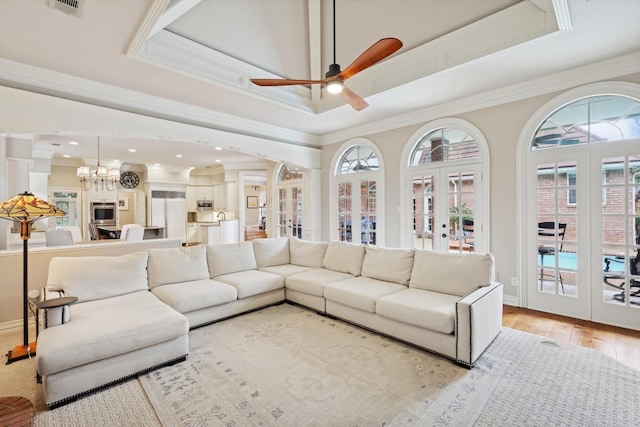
[(376, 53), (355, 100), (284, 82)]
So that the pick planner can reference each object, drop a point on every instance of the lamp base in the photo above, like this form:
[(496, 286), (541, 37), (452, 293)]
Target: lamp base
[(21, 352)]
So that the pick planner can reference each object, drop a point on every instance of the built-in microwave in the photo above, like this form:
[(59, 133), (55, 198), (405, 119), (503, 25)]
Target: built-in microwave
[(205, 205), (103, 213)]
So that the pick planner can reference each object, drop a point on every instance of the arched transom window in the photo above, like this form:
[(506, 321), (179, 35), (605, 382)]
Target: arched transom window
[(358, 159), (443, 145), (590, 120), (288, 173)]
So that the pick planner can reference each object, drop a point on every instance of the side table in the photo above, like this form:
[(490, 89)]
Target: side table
[(54, 303), (15, 411), (47, 305)]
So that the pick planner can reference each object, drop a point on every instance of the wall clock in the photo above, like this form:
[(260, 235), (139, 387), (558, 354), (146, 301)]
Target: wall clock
[(129, 180)]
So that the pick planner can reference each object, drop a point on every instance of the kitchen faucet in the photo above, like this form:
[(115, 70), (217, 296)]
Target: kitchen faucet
[(223, 216)]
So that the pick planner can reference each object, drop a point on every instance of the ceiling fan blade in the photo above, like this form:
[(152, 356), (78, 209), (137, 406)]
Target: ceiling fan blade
[(376, 53), (355, 100), (284, 82)]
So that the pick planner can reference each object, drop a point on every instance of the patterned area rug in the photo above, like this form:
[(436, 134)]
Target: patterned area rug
[(288, 366), (522, 379)]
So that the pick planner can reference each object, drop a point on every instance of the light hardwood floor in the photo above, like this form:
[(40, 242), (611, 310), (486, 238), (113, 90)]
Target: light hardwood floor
[(619, 343)]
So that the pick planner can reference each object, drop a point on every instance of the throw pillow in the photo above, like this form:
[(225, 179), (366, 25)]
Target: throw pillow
[(177, 265), (451, 273), (230, 258), (97, 277), (306, 253), (344, 257), (271, 251), (390, 265)]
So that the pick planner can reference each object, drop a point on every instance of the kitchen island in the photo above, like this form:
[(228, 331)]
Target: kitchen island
[(219, 232)]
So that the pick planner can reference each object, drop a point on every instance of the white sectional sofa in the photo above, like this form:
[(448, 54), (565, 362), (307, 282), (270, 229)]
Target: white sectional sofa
[(134, 311)]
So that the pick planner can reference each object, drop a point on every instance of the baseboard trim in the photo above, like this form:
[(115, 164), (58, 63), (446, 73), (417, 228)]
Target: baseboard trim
[(14, 326), (510, 300)]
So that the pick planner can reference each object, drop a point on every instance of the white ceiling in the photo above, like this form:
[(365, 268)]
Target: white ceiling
[(143, 56)]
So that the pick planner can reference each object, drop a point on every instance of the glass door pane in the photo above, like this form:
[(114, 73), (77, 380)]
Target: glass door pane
[(282, 212), (296, 212), (368, 212), (460, 194), (557, 209), (620, 231), (422, 218), (345, 213)]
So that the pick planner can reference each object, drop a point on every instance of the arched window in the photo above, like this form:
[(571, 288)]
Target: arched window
[(288, 173), (590, 120), (356, 194), (447, 179), (358, 159), (580, 156), (444, 145)]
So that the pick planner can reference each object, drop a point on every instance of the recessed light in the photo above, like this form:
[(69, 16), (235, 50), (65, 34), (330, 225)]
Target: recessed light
[(179, 156), (132, 150), (218, 148), (218, 160), (66, 155), (73, 142)]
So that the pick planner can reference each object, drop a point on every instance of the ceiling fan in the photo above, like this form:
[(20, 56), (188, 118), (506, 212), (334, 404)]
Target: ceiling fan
[(334, 78)]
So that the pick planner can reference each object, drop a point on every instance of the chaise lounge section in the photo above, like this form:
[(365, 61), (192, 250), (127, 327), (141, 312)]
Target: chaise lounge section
[(134, 311)]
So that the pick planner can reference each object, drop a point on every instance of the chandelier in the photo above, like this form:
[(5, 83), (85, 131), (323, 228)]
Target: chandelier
[(100, 178)]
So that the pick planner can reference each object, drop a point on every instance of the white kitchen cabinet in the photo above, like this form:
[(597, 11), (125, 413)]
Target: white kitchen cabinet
[(220, 197), (193, 232), (102, 196), (204, 192), (192, 198), (223, 232)]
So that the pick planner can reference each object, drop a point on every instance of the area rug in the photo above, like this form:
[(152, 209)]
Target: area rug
[(521, 380), (288, 366)]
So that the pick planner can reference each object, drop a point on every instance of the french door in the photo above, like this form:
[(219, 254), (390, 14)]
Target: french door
[(357, 202), (583, 222), (290, 210), (447, 209)]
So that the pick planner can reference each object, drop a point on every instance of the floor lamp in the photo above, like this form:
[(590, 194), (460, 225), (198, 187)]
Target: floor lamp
[(25, 209)]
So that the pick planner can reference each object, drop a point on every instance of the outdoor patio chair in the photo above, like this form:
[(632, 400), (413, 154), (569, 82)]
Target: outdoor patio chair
[(634, 267), (467, 233), (548, 229)]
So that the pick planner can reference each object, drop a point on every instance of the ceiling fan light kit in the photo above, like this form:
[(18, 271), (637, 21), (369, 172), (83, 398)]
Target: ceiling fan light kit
[(334, 78)]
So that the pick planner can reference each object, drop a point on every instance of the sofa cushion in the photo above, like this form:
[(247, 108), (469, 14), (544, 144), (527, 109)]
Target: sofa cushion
[(175, 265), (96, 277), (451, 273), (390, 265), (313, 281), (306, 253), (108, 327), (195, 295), (271, 251), (230, 258), (360, 292), (252, 282), (343, 257), (285, 269), (430, 310)]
